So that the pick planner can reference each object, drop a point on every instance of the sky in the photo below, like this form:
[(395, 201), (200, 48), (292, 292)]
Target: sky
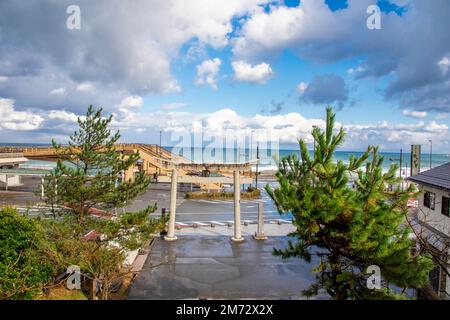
[(228, 67)]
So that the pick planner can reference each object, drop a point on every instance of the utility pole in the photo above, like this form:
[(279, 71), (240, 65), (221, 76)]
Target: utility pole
[(431, 152), (401, 157), (406, 174), (257, 162)]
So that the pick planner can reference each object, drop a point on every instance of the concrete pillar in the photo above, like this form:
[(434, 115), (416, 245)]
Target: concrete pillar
[(42, 188), (259, 235), (237, 208), (6, 182), (173, 207)]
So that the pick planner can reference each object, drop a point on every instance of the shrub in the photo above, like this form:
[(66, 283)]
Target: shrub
[(26, 258)]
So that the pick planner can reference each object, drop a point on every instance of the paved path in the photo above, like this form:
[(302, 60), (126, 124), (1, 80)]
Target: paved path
[(212, 267)]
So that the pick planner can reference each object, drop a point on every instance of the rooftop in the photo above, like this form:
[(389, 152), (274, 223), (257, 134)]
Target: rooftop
[(437, 177)]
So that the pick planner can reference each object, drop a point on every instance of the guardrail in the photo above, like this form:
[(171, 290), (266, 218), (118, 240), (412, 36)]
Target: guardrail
[(10, 155)]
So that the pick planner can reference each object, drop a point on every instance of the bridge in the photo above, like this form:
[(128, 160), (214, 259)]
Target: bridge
[(154, 160)]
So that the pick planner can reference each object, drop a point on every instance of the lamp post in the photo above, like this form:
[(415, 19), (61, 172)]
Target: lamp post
[(394, 160), (406, 172), (257, 162), (431, 152)]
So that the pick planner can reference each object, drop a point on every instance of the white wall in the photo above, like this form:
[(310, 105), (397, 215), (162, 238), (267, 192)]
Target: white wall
[(434, 217), (13, 180)]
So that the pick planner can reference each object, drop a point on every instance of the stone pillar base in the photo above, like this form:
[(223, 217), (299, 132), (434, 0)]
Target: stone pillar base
[(259, 237), (170, 238), (237, 239)]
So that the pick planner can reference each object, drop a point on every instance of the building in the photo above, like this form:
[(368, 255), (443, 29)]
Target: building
[(433, 217)]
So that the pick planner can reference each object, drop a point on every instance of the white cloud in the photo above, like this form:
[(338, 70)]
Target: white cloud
[(436, 127), (207, 72), (58, 92), (442, 116), (244, 71), (414, 114), (3, 79), (285, 127), (444, 64), (302, 86), (356, 70), (174, 105), (17, 120), (316, 33), (131, 102), (128, 109), (135, 123), (62, 115), (133, 55), (84, 87)]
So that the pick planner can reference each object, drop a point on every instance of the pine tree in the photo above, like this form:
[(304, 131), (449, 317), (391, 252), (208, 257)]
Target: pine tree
[(88, 169), (345, 230)]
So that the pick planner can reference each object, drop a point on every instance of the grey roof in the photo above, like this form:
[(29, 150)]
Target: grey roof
[(438, 177)]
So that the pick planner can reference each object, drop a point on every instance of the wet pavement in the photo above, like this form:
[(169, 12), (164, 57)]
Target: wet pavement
[(22, 195), (157, 193), (189, 210), (213, 267), (203, 262)]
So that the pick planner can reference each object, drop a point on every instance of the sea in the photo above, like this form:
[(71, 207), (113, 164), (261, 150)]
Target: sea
[(268, 158), (268, 162)]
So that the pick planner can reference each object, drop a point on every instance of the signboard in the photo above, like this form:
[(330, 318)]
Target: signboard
[(413, 203), (415, 159)]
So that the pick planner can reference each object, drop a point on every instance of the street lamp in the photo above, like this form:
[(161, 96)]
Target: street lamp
[(257, 162), (394, 160), (431, 152), (406, 172)]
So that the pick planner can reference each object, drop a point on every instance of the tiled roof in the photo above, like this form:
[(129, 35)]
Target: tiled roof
[(438, 177)]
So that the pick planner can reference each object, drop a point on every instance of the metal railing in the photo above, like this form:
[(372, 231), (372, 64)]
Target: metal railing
[(10, 155)]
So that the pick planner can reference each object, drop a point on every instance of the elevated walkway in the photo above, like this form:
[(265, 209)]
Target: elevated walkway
[(11, 160), (153, 160)]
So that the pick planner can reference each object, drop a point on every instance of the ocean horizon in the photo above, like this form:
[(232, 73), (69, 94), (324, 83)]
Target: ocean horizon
[(267, 156)]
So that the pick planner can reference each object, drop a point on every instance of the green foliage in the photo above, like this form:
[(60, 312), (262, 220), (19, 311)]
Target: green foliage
[(27, 260), (347, 229), (33, 251), (88, 169), (101, 260)]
